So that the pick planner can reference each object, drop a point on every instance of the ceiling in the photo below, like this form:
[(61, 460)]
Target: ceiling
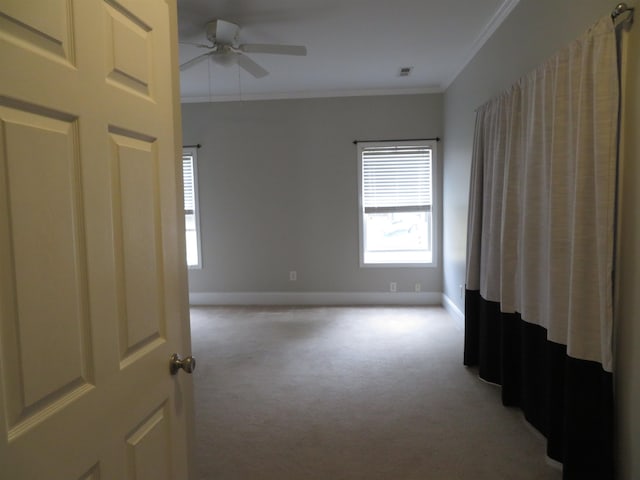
[(355, 47)]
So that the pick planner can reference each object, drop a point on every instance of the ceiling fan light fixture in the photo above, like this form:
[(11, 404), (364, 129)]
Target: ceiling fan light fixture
[(224, 59)]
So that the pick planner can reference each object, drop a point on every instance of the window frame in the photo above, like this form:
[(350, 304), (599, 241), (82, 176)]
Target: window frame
[(435, 190), (193, 153)]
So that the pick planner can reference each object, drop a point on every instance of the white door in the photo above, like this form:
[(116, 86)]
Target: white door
[(92, 268)]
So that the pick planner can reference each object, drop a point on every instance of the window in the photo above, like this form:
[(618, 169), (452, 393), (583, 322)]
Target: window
[(396, 203), (191, 218)]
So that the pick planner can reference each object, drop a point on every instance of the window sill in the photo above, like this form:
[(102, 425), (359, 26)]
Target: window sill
[(397, 265)]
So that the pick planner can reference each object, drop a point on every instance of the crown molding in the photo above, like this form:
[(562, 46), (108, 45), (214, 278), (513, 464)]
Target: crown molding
[(489, 29)]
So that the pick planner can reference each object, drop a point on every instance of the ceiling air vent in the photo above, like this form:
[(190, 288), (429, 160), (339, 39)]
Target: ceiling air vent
[(405, 71)]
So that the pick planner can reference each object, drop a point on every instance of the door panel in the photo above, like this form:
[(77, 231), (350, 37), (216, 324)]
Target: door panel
[(51, 34), (92, 268), (47, 277), (149, 448), (92, 474), (137, 223), (128, 49)]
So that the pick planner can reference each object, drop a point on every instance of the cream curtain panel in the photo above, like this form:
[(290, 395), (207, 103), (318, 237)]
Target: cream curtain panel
[(543, 193), (540, 249)]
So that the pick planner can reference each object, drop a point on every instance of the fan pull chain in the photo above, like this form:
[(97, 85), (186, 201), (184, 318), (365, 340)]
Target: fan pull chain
[(209, 60)]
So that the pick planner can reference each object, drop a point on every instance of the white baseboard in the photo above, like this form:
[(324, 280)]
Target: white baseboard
[(316, 298), (453, 310)]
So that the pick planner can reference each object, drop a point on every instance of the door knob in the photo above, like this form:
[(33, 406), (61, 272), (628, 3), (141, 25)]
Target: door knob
[(188, 364)]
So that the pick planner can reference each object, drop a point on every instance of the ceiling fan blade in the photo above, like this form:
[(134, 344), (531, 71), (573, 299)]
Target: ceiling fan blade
[(193, 61), (252, 67), (273, 48)]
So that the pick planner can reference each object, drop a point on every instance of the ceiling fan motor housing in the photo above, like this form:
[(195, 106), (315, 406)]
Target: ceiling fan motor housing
[(221, 32)]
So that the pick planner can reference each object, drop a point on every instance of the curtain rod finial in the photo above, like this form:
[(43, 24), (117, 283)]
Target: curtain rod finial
[(620, 9)]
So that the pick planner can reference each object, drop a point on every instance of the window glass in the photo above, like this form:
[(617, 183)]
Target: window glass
[(396, 203), (191, 219)]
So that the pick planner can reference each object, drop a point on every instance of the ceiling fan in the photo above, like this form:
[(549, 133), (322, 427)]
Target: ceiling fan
[(225, 49)]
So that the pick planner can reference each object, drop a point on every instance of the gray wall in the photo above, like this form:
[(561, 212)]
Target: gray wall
[(534, 31), (278, 191)]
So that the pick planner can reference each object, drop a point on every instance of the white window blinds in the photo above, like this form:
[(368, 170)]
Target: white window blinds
[(396, 178), (188, 178)]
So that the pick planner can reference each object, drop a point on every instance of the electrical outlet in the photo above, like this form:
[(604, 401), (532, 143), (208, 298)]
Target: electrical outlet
[(293, 276), (461, 287), (417, 287), (393, 287)]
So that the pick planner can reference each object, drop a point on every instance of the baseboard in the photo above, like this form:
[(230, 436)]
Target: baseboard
[(316, 298), (453, 310)]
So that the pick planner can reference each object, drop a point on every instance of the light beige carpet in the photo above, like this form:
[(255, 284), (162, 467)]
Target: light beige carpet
[(349, 394)]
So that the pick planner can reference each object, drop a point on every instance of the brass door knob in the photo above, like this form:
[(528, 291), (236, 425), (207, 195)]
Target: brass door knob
[(188, 364)]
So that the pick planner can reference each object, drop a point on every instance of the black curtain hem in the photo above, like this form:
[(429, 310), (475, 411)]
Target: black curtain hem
[(570, 401)]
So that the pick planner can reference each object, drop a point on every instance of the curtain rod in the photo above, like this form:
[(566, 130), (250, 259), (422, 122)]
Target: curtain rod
[(620, 9), (197, 145), (437, 139)]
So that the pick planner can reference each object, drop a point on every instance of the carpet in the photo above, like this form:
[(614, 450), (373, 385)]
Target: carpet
[(349, 393)]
